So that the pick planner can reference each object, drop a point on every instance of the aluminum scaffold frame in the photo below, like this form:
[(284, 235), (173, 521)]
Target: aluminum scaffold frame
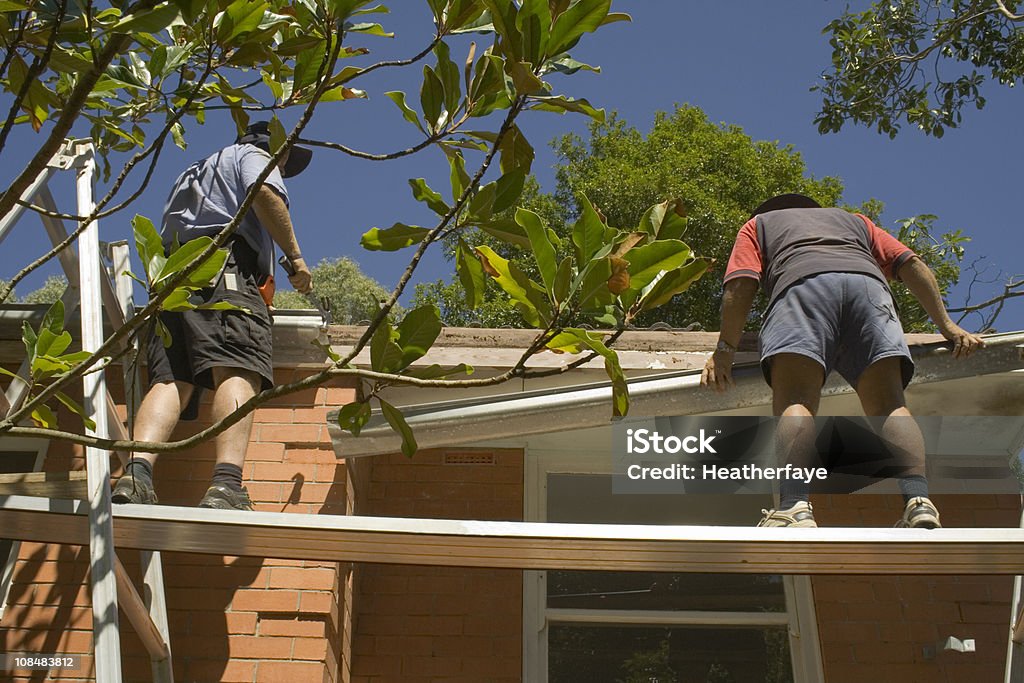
[(90, 289)]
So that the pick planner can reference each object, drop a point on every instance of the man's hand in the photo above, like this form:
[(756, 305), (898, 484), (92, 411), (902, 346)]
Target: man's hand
[(718, 371), (964, 343), (301, 279)]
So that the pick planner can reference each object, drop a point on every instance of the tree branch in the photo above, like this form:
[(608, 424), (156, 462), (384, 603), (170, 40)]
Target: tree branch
[(86, 221), (218, 241), (115, 46), (32, 74), (1004, 10), (432, 236)]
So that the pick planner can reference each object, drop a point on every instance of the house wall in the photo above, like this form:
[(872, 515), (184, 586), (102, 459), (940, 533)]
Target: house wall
[(880, 625), (231, 618), (451, 624)]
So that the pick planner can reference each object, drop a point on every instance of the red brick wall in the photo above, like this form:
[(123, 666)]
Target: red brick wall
[(876, 627), (231, 619), (451, 624)]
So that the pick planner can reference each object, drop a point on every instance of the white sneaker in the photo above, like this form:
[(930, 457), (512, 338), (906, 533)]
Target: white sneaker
[(801, 515)]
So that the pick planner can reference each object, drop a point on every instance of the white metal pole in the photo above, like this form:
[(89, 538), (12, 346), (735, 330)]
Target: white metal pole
[(106, 640)]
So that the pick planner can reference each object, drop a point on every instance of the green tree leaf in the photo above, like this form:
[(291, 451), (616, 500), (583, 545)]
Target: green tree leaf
[(385, 353), (448, 74), (674, 282), (398, 236), (508, 188), (432, 99), (397, 421), (581, 17), (529, 297), (543, 250), (516, 152), (417, 333), (352, 417), (534, 24), (422, 193), (560, 105), (398, 98), (471, 274), (649, 261), (148, 20), (149, 246), (77, 409)]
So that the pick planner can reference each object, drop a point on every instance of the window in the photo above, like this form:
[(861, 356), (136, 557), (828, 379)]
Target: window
[(16, 455), (654, 627)]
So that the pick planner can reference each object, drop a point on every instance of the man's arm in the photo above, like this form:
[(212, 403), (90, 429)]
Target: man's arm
[(273, 215), (737, 300), (920, 280)]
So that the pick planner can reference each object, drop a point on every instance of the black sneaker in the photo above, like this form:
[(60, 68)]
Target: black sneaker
[(128, 489), (220, 497)]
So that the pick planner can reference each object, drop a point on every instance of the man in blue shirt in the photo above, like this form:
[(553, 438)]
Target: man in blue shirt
[(229, 351)]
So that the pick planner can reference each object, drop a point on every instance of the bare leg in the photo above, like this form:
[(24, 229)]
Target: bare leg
[(234, 387), (880, 389), (158, 413), (796, 392)]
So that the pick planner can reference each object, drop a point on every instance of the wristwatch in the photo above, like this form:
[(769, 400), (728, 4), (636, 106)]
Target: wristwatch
[(725, 347)]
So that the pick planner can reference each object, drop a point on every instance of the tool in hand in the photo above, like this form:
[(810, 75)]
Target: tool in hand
[(323, 304)]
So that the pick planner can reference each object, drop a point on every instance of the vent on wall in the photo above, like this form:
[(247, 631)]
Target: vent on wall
[(469, 458)]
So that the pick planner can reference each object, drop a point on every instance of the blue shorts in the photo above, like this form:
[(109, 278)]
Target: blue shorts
[(845, 321)]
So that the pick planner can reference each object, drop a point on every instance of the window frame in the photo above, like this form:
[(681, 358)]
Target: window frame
[(19, 445), (800, 617)]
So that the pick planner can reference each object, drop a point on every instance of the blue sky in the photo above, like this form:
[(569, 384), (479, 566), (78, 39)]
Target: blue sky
[(749, 64)]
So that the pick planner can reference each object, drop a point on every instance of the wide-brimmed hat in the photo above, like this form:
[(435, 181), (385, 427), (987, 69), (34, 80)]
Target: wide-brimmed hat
[(258, 134), (791, 200)]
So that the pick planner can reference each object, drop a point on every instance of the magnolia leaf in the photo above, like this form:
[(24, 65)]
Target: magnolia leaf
[(563, 280), (459, 178), (581, 17), (620, 391), (397, 421), (398, 97), (184, 255), (148, 21), (422, 193), (352, 417), (29, 337), (77, 409), (524, 80), (54, 319), (508, 189), (516, 152), (385, 354), (529, 297), (448, 73), (44, 417), (481, 206), (507, 231), (417, 333), (560, 105), (398, 236), (668, 285), (471, 274), (431, 98), (543, 250), (369, 29), (534, 23), (588, 232), (149, 245), (647, 261)]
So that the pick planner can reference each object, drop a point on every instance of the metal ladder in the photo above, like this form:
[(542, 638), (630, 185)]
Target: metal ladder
[(91, 289)]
